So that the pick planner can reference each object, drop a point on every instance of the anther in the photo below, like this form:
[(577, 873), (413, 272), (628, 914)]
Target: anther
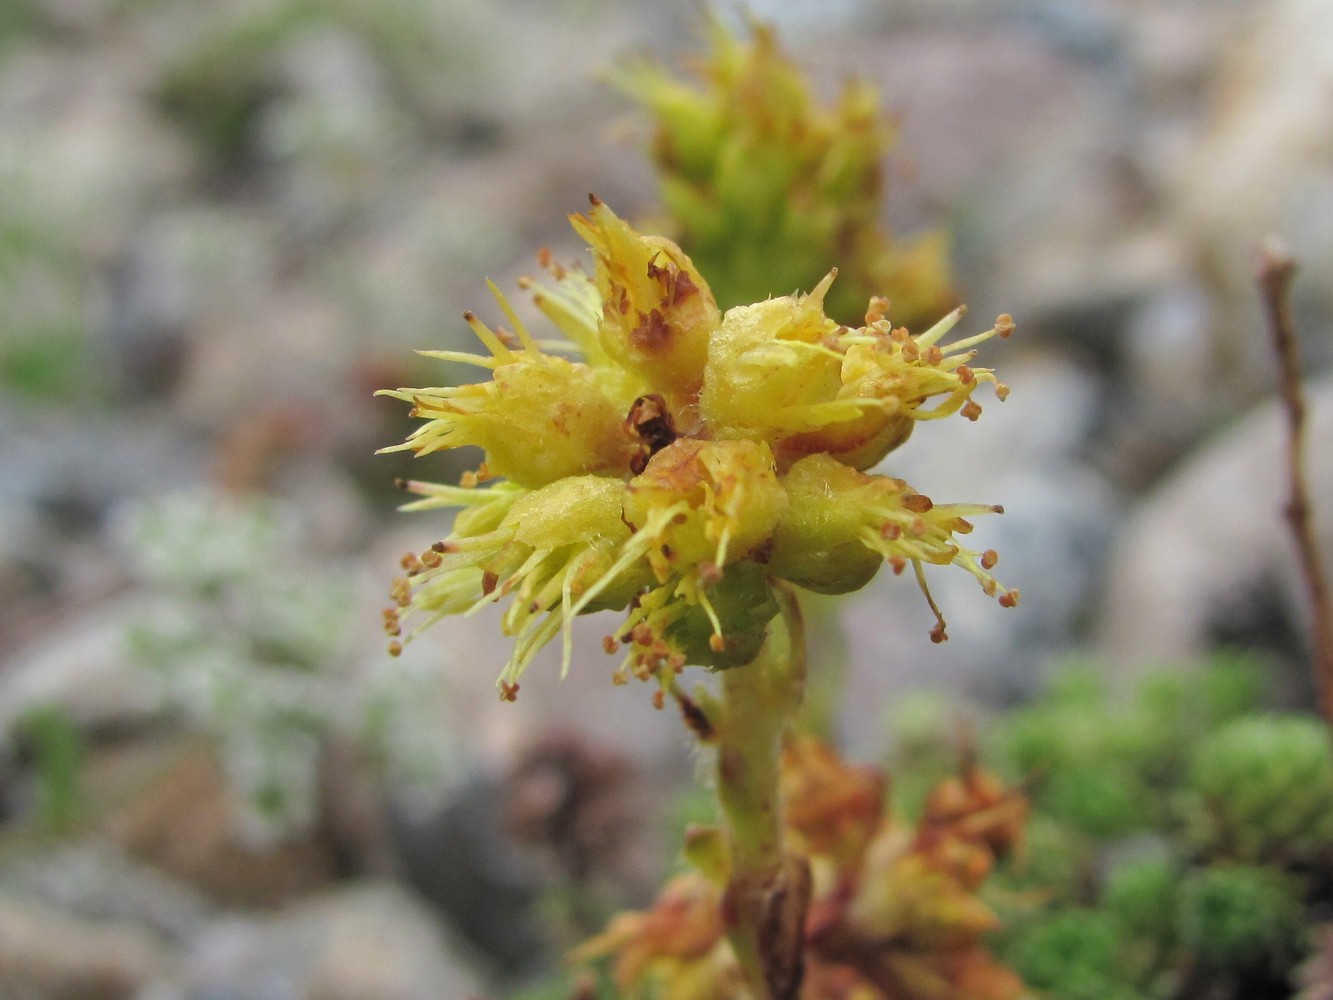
[(917, 503), (1009, 599), (970, 410), (897, 564), (938, 634), (989, 559), (659, 700), (395, 648), (1001, 391), (717, 643), (1004, 324), (609, 644), (965, 374), (431, 559), (508, 692)]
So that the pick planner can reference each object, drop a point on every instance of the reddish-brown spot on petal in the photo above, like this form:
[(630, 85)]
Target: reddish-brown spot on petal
[(652, 333)]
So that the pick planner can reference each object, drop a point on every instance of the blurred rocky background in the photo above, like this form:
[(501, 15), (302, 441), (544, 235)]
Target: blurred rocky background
[(223, 225)]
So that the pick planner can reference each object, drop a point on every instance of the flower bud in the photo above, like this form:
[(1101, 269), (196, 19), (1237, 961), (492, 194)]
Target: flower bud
[(781, 371), (539, 419), (657, 311), (705, 502)]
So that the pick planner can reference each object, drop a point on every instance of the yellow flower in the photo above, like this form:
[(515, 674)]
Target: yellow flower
[(784, 372), (688, 462), (540, 418)]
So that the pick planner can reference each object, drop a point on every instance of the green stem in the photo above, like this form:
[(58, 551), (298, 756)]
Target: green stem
[(760, 699)]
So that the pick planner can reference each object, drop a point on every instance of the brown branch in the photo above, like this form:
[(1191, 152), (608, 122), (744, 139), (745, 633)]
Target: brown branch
[(1276, 269)]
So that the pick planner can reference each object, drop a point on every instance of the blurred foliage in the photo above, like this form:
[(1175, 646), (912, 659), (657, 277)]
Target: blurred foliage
[(57, 748), (250, 640), (1180, 844)]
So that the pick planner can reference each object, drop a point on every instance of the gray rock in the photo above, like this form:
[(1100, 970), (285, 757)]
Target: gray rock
[(85, 670), (364, 942), (1263, 166), (93, 881), (50, 955), (1207, 553), (1025, 455)]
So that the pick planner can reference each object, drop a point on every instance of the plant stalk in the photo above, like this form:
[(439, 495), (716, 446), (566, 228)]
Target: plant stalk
[(763, 908)]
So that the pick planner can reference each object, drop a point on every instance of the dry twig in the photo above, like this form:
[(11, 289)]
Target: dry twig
[(1276, 269)]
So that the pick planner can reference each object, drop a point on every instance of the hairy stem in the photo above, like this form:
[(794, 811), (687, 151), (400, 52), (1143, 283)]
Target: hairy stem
[(1275, 273), (763, 907)]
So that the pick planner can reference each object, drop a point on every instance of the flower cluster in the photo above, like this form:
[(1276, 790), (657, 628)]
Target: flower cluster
[(763, 184), (893, 907), (686, 463)]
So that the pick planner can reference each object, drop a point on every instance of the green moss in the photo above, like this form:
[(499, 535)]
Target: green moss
[(1240, 916), (1141, 895), (1073, 954), (1260, 789)]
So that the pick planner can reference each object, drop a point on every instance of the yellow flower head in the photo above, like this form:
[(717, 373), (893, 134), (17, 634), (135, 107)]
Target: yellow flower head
[(683, 467)]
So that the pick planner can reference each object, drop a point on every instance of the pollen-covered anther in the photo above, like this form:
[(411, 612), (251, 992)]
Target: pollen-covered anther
[(610, 644), (989, 559), (717, 643), (508, 692), (709, 573), (897, 564), (1009, 599), (890, 531), (934, 356), (659, 700), (917, 503), (395, 648), (965, 375), (401, 592), (431, 559), (1004, 324), (910, 351), (1001, 391), (938, 633), (970, 410), (877, 309), (919, 527)]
